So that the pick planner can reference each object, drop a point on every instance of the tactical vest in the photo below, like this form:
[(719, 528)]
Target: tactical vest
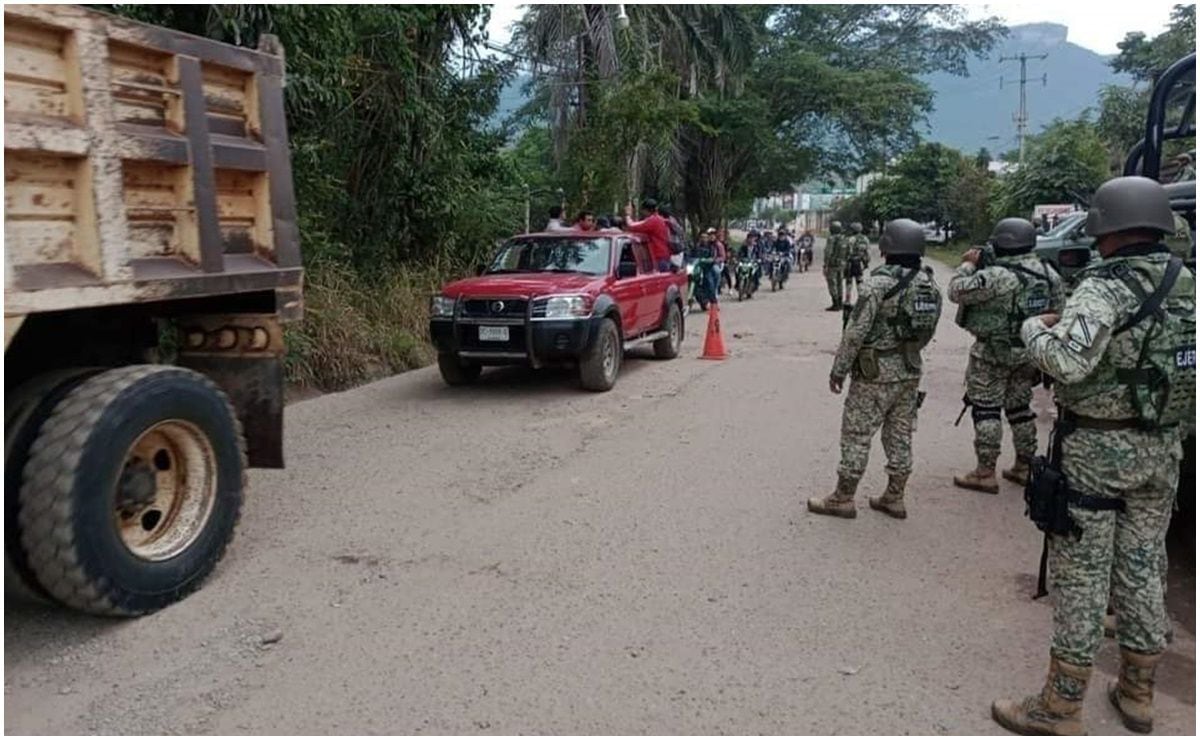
[(1148, 371), (996, 322), (908, 311)]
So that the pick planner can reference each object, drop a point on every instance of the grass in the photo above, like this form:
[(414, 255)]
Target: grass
[(356, 329), (949, 255)]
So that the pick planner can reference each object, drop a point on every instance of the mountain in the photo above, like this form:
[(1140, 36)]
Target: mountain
[(969, 110)]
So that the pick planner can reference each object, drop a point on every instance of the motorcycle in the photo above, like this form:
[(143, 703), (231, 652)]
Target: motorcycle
[(780, 267), (698, 271), (747, 277), (806, 256)]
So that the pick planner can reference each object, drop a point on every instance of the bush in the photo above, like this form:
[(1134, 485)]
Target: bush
[(357, 329)]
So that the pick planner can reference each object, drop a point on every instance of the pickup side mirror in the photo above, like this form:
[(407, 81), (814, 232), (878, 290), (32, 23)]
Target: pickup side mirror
[(480, 269), (626, 270)]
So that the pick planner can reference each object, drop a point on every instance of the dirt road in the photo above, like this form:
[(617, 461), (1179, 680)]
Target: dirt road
[(523, 557)]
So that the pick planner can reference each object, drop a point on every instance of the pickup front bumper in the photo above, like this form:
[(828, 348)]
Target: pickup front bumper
[(531, 341)]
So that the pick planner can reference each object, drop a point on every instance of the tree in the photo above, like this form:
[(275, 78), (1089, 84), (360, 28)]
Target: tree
[(770, 94), (1145, 59), (1066, 162)]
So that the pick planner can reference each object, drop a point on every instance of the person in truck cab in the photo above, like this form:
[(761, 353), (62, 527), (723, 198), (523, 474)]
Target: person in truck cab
[(654, 228), (585, 221)]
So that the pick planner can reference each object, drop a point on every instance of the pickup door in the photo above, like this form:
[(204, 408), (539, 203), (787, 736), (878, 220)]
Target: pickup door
[(629, 292), (654, 285)]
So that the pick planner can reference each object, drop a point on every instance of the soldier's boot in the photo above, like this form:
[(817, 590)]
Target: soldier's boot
[(1050, 712), (840, 502), (1133, 692), (892, 500), (835, 306), (980, 479), (1019, 472)]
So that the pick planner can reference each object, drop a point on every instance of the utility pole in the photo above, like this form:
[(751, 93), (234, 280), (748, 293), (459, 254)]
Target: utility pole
[(1023, 110)]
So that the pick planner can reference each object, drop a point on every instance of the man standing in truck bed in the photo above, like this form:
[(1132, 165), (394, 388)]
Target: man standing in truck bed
[(654, 228)]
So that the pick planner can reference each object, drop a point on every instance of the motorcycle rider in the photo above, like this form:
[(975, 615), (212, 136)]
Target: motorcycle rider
[(752, 250), (806, 247)]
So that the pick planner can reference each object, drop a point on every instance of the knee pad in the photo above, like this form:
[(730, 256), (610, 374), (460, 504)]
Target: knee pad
[(1020, 415), (984, 413)]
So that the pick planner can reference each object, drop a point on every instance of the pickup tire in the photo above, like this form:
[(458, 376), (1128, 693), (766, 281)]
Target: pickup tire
[(667, 348), (601, 362), (132, 490), (456, 372)]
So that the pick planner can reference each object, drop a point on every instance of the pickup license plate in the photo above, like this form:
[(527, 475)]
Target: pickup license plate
[(493, 333)]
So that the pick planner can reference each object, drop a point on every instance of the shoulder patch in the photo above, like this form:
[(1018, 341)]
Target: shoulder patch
[(1083, 334)]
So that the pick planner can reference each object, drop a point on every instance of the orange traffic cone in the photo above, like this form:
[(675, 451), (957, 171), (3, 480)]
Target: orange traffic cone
[(714, 345)]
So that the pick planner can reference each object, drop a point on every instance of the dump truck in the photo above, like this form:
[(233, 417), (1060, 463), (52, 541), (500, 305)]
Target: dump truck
[(151, 259)]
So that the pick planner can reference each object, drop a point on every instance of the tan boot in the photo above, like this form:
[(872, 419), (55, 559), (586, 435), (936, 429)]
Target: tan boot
[(840, 502), (1050, 712), (979, 479), (1133, 691), (892, 500), (1019, 472)]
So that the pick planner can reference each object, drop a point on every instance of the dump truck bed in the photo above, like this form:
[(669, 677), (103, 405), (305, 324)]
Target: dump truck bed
[(141, 165)]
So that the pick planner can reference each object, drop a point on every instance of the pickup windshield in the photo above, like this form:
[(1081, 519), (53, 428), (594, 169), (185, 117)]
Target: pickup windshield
[(1065, 225), (554, 254)]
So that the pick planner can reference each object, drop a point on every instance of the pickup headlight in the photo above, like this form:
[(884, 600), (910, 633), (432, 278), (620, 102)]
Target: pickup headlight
[(568, 307), (441, 307)]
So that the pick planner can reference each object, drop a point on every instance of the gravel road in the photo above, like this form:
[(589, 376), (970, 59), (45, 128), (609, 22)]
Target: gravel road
[(524, 557)]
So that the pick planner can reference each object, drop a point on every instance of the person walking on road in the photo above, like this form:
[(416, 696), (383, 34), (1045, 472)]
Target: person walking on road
[(856, 257), (833, 265), (1122, 355), (995, 296), (892, 322)]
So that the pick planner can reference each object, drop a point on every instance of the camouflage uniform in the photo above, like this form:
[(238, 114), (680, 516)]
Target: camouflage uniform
[(857, 258), (1139, 466), (887, 400), (833, 263), (999, 375)]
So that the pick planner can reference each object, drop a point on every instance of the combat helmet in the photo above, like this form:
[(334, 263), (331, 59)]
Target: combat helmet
[(835, 227), (1125, 203), (902, 236), (857, 227), (1013, 234)]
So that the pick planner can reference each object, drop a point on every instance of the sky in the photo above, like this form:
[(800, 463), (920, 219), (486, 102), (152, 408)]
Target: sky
[(1096, 26)]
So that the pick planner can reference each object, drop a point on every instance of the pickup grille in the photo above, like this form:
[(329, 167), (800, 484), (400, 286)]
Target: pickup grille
[(498, 308)]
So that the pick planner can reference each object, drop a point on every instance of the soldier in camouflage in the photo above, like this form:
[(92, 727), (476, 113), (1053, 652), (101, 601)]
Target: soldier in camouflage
[(995, 296), (856, 258), (1120, 451), (833, 263), (893, 320)]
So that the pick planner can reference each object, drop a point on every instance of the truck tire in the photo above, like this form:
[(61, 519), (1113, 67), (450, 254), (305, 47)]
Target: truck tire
[(456, 372), (132, 490), (667, 348), (26, 408), (601, 362)]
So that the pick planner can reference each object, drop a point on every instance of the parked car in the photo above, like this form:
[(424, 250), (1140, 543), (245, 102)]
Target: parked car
[(578, 297)]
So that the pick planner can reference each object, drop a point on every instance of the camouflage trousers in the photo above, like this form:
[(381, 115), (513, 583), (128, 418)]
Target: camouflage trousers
[(993, 388), (1118, 552), (833, 281), (869, 407)]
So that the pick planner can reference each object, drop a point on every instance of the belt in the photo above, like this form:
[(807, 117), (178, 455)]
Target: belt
[(1089, 422)]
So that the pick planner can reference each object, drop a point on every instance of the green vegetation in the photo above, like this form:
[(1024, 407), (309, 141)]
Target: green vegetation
[(402, 183)]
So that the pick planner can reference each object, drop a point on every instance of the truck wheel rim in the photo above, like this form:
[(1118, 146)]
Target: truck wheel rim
[(609, 357), (167, 489)]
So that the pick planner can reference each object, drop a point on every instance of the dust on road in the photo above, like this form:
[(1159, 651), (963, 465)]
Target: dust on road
[(523, 557)]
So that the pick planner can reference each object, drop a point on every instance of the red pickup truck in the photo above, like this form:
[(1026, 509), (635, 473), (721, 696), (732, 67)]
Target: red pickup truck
[(581, 297)]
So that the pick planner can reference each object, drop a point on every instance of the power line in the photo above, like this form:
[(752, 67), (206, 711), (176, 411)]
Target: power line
[(1022, 110)]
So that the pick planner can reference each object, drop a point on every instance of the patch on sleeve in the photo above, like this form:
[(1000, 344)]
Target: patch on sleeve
[(1083, 334)]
